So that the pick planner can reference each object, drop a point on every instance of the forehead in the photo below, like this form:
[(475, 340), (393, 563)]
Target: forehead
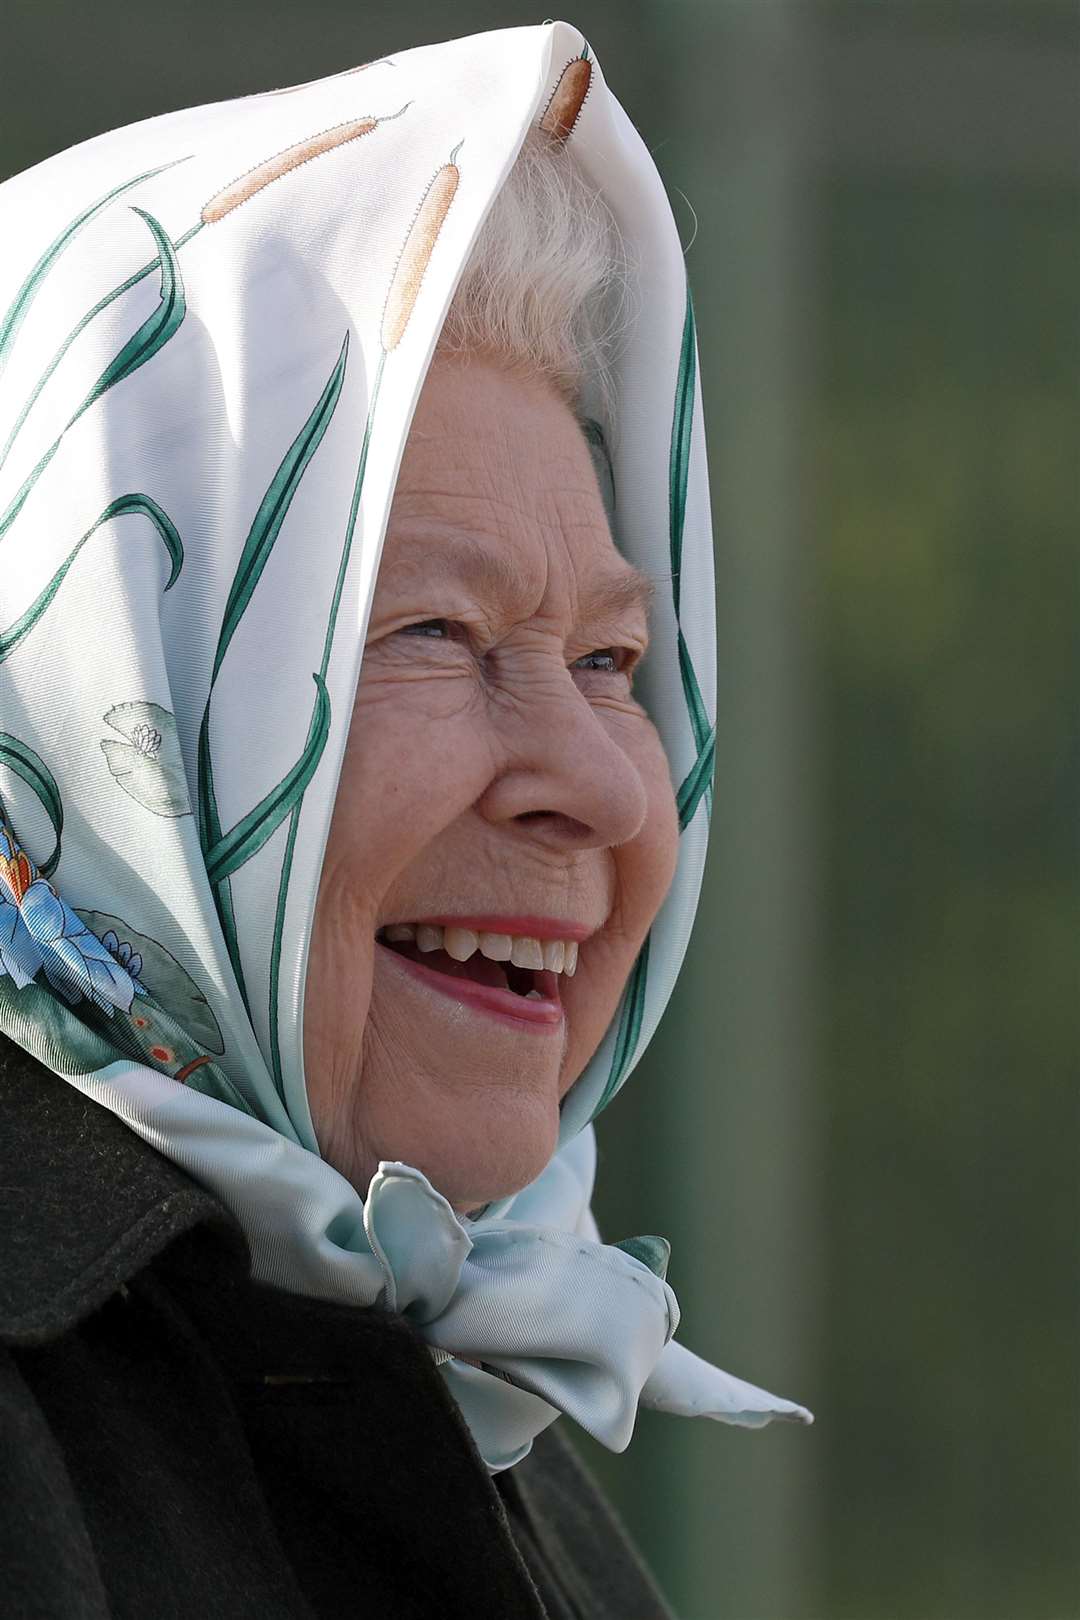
[(497, 488)]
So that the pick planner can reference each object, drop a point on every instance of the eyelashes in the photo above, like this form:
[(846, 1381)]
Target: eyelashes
[(621, 659), (612, 654), (423, 625)]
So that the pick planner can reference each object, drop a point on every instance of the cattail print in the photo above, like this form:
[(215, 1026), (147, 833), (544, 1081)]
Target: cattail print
[(567, 99), (239, 191), (223, 203), (419, 244)]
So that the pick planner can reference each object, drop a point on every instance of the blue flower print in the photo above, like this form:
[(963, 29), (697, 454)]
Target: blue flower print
[(123, 952), (76, 963), (20, 958)]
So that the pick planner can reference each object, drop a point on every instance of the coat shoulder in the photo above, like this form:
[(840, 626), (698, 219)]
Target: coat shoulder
[(579, 1552), (68, 1247), (86, 1207)]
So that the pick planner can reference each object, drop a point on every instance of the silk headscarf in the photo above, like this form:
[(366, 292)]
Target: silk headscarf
[(214, 328)]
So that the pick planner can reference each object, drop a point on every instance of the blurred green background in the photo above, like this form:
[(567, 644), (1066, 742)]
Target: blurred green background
[(870, 1176)]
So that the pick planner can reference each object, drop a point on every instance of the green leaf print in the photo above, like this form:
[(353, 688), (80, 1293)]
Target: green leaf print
[(274, 506), (681, 429), (695, 703), (170, 985), (51, 1031), (631, 1012), (699, 780), (21, 759), (80, 326), (149, 1034), (81, 1040), (224, 853), (143, 344), (251, 832), (30, 288), (156, 330), (654, 1252), (124, 505)]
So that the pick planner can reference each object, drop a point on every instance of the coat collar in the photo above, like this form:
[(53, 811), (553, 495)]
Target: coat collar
[(85, 1204)]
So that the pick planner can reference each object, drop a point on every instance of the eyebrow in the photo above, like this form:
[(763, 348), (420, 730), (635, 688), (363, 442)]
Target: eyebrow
[(620, 593), (614, 593)]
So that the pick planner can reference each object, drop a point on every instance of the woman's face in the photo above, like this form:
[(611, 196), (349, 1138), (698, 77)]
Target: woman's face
[(499, 779)]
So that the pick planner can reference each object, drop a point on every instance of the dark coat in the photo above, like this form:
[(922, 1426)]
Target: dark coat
[(178, 1442)]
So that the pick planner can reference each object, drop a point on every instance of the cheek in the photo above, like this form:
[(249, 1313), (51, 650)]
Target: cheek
[(414, 762)]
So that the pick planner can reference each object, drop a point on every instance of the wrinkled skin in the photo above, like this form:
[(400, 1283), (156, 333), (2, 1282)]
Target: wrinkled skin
[(492, 766)]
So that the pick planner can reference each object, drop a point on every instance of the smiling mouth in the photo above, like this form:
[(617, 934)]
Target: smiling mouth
[(486, 971)]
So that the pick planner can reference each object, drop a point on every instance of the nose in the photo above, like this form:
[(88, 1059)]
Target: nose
[(562, 774)]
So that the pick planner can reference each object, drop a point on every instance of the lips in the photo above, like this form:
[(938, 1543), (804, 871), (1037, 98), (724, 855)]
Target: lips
[(497, 988)]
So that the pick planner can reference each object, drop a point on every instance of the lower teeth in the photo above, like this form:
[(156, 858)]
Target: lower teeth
[(534, 995)]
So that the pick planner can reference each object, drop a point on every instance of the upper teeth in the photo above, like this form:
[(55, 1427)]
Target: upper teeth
[(554, 955)]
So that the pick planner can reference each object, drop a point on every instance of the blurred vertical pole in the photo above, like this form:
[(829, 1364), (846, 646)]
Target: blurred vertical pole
[(748, 1145)]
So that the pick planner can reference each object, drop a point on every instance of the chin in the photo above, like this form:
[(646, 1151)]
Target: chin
[(469, 1184), (475, 1143)]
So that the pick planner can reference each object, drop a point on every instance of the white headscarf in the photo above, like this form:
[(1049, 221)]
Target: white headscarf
[(214, 329)]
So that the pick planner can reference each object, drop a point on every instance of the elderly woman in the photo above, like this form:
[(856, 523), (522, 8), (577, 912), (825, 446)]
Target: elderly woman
[(356, 741)]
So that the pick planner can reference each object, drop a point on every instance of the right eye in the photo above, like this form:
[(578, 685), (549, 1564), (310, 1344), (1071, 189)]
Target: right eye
[(423, 627)]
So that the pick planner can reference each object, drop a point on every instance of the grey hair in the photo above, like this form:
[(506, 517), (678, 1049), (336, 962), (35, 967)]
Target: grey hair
[(546, 287)]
